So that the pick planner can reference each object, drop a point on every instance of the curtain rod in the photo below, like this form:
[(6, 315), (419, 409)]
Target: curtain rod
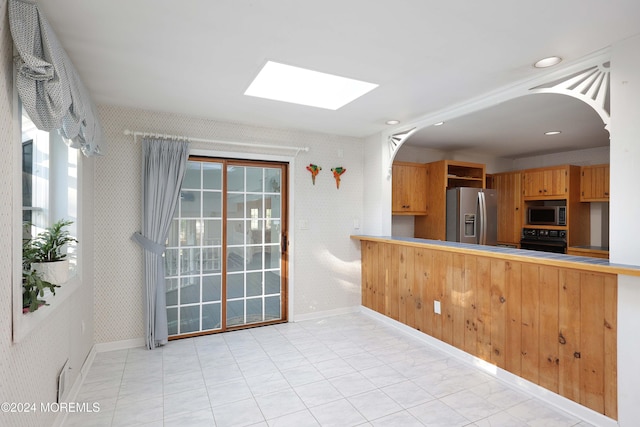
[(136, 134)]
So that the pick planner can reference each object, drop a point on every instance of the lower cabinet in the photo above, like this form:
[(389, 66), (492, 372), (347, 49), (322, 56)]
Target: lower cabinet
[(553, 326)]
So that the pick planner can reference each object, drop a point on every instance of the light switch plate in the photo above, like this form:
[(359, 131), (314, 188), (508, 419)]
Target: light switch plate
[(436, 307)]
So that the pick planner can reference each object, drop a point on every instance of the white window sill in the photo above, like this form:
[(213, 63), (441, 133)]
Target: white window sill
[(24, 323)]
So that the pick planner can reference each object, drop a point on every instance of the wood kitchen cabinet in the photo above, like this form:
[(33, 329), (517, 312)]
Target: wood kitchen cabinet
[(442, 175), (545, 183), (409, 188), (594, 183), (510, 211)]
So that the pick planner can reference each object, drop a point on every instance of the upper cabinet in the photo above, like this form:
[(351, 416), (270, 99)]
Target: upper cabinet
[(461, 174), (409, 188), (594, 183), (546, 183)]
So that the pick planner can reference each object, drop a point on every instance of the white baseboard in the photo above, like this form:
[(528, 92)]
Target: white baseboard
[(509, 379), (119, 345), (75, 388), (327, 313), (86, 366)]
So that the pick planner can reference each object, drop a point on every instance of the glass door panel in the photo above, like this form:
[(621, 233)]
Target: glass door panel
[(224, 264), (254, 258), (194, 253)]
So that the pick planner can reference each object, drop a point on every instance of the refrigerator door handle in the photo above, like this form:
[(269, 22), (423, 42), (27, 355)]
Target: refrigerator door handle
[(482, 213)]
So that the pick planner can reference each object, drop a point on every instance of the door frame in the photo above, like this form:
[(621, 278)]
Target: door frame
[(291, 159)]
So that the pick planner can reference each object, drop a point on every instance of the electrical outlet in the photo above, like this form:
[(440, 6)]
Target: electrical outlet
[(436, 307)]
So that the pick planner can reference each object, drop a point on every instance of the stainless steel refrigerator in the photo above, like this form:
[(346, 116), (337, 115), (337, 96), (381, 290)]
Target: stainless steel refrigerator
[(472, 215)]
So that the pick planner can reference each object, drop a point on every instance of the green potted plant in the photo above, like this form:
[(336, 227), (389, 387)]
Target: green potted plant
[(49, 252), (33, 284), (33, 287)]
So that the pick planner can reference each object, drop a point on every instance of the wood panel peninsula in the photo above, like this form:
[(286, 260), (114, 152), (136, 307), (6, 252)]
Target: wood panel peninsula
[(548, 318)]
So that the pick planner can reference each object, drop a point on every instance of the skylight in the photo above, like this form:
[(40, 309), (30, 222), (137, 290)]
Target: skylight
[(306, 87)]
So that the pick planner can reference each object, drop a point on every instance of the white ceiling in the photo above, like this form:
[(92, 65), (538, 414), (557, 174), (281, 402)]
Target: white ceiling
[(516, 128), (197, 57)]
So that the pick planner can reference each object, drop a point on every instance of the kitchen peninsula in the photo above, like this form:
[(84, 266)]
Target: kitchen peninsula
[(548, 318)]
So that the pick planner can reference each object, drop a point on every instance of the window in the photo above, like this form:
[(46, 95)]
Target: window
[(50, 192), (49, 181)]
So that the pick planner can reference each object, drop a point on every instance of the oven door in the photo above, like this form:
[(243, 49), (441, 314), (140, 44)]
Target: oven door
[(543, 245)]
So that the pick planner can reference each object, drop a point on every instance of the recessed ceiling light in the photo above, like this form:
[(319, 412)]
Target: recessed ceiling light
[(306, 87), (438, 124), (548, 62), (552, 132), (392, 122)]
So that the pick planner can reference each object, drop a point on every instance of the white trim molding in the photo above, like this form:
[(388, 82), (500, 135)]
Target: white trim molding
[(398, 138), (591, 86)]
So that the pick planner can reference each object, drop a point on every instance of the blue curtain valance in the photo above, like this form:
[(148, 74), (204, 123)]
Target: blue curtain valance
[(50, 88)]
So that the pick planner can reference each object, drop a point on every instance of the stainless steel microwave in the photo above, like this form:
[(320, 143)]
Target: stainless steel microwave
[(547, 215)]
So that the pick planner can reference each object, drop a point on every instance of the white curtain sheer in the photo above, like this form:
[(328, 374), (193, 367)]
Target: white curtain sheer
[(163, 165), (49, 85)]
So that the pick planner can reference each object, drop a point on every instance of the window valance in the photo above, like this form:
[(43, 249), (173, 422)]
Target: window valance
[(49, 86)]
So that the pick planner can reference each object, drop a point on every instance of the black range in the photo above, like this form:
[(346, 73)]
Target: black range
[(542, 239)]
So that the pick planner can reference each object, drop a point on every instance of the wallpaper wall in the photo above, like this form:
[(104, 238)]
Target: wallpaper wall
[(326, 263), (29, 368)]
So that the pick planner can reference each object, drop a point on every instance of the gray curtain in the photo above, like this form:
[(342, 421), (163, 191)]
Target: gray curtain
[(49, 86), (163, 166)]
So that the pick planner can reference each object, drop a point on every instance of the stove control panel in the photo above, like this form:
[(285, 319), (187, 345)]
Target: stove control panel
[(544, 234)]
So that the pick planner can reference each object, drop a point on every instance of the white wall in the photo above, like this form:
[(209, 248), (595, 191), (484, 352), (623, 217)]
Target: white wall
[(624, 209), (29, 368), (377, 188), (326, 268), (591, 156), (409, 153)]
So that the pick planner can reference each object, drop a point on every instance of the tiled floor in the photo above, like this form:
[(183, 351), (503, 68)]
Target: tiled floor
[(345, 370)]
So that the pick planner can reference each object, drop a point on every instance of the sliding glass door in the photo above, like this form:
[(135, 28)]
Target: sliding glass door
[(226, 264)]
